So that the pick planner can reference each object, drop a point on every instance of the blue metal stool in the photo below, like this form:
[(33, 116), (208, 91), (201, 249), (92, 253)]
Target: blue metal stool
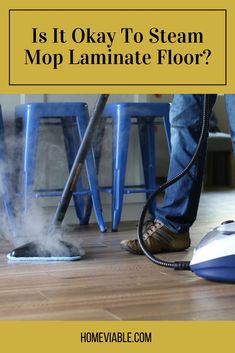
[(146, 116), (5, 189), (74, 119)]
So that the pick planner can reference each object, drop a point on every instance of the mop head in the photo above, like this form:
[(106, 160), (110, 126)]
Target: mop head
[(33, 251)]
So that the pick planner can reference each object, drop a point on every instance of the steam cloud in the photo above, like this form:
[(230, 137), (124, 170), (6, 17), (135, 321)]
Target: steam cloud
[(34, 225)]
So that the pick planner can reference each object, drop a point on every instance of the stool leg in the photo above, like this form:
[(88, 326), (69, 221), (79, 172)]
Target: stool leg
[(167, 127), (97, 148), (71, 140), (147, 145), (6, 199), (5, 187), (121, 133), (92, 176), (17, 156), (30, 138)]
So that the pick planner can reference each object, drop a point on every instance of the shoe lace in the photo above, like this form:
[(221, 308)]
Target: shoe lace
[(151, 228), (148, 223)]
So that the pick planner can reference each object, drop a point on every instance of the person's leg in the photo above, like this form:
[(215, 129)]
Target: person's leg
[(179, 209), (170, 232), (230, 108)]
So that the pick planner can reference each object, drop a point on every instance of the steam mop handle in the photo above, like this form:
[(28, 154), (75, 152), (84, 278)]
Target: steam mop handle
[(79, 159)]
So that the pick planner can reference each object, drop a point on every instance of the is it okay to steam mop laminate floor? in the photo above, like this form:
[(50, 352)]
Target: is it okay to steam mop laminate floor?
[(110, 284)]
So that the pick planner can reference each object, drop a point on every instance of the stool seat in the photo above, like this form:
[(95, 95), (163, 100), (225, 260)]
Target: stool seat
[(145, 115), (74, 119)]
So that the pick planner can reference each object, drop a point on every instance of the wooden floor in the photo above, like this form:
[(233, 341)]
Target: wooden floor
[(110, 284)]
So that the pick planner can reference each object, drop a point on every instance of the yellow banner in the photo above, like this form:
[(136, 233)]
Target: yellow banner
[(138, 337), (118, 47)]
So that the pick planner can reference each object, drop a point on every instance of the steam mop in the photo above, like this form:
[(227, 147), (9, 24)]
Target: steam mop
[(214, 257), (62, 250)]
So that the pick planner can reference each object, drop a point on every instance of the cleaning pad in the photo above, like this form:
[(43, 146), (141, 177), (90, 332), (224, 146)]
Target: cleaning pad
[(34, 251)]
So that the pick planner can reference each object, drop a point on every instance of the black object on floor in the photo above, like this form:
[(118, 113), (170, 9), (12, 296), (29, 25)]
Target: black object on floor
[(35, 251)]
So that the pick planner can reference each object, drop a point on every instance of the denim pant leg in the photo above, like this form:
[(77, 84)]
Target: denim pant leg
[(230, 109), (179, 208)]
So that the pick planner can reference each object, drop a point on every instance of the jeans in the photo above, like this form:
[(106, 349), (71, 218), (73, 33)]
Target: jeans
[(179, 208), (230, 109)]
